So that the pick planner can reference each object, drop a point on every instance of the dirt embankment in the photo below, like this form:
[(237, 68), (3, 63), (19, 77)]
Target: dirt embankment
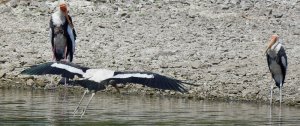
[(215, 44)]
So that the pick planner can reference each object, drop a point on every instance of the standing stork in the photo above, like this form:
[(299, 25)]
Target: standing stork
[(277, 62), (97, 79), (62, 35)]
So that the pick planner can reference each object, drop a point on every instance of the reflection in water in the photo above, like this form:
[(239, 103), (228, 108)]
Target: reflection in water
[(55, 108), (273, 112)]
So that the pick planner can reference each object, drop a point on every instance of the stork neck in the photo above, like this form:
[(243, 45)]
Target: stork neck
[(275, 45), (274, 49), (58, 18)]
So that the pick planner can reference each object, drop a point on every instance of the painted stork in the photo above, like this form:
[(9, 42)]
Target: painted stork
[(62, 35), (277, 62), (97, 79)]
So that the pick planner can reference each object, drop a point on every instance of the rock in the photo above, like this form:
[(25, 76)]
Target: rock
[(195, 65), (250, 92), (24, 2), (14, 3), (4, 9), (50, 86), (278, 15), (233, 91), (40, 83), (246, 5), (29, 82), (2, 74)]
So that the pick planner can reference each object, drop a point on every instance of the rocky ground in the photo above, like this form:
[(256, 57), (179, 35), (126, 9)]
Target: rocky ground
[(218, 45)]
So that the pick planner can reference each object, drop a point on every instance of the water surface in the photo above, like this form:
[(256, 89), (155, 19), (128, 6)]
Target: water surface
[(56, 108)]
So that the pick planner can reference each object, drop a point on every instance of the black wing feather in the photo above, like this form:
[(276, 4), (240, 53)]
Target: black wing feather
[(281, 53), (69, 41), (269, 62), (46, 68), (52, 32), (159, 81)]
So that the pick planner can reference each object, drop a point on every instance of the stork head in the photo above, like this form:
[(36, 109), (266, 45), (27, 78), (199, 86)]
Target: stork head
[(63, 7), (273, 40)]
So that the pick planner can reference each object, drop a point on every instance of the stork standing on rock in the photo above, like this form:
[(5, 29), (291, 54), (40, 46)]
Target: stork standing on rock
[(97, 79), (277, 62), (62, 35)]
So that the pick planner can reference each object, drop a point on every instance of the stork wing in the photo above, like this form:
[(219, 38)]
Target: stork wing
[(268, 60), (282, 61), (149, 79), (51, 32), (71, 37), (65, 69)]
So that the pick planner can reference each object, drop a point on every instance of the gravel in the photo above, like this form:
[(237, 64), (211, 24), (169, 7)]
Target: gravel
[(218, 45)]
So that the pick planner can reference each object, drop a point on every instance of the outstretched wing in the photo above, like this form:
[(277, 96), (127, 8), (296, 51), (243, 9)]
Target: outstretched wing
[(149, 79), (65, 69)]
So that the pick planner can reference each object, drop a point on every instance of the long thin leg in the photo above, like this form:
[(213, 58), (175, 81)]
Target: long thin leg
[(271, 94), (51, 80), (270, 115), (65, 82), (280, 89), (87, 104), (80, 102), (279, 116)]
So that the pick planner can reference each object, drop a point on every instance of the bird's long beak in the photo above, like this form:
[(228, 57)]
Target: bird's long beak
[(64, 9), (272, 42)]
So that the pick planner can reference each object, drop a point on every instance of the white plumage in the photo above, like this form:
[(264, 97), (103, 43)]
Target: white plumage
[(58, 18), (98, 75)]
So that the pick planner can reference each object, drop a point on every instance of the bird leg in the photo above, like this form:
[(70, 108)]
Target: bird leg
[(271, 94), (51, 80), (65, 82), (87, 104), (65, 53), (280, 97), (80, 102)]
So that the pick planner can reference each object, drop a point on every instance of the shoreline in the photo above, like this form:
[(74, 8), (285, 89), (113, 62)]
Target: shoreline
[(218, 46), (129, 89)]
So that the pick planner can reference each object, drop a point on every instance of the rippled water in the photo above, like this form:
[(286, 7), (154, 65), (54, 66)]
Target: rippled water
[(54, 108)]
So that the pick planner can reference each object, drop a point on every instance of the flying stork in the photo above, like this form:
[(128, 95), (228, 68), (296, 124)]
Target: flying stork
[(97, 79), (62, 35), (277, 62)]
